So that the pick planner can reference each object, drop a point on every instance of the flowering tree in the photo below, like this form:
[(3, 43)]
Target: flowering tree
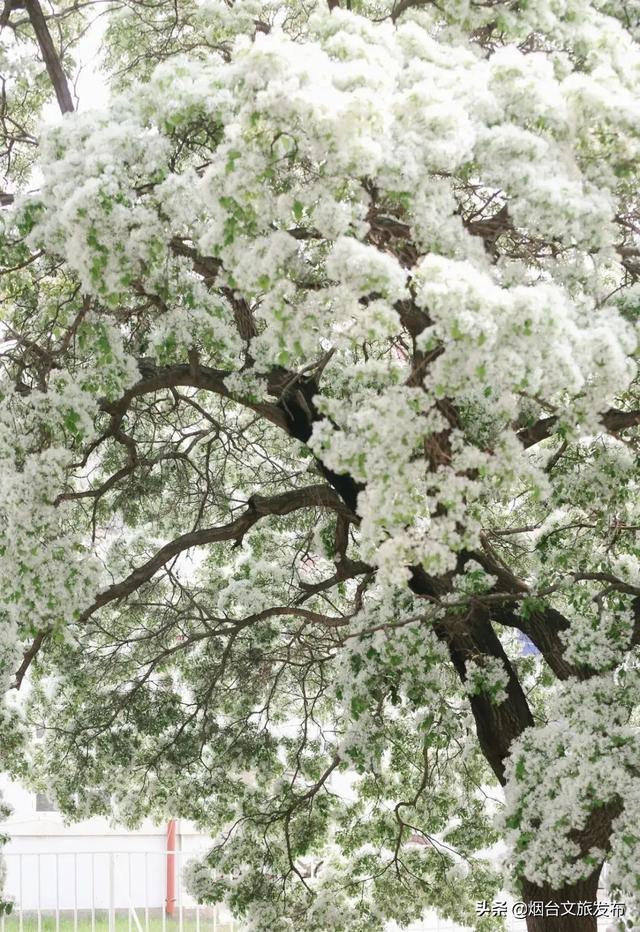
[(319, 445)]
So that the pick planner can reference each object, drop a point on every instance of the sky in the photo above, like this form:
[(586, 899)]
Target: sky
[(91, 86)]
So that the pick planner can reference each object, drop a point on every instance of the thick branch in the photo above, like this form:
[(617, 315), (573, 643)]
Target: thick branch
[(612, 420), (543, 626), (50, 56), (156, 378), (29, 656), (314, 496), (471, 637), (209, 269), (498, 724), (294, 412)]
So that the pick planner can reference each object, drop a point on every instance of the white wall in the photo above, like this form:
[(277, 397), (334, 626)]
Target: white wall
[(50, 863)]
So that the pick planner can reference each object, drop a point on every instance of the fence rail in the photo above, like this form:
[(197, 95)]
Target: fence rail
[(103, 891)]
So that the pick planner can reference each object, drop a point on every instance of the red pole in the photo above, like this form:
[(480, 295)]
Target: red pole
[(171, 867)]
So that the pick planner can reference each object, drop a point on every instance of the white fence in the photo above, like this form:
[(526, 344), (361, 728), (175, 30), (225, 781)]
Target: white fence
[(104, 890), (126, 891)]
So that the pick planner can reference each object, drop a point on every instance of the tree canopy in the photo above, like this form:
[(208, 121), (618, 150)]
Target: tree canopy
[(319, 444)]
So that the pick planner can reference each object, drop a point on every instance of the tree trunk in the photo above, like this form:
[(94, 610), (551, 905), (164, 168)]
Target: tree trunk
[(570, 901)]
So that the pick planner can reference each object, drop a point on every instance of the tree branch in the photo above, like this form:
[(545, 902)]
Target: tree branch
[(314, 496), (498, 724), (50, 56), (612, 420), (29, 656), (156, 378)]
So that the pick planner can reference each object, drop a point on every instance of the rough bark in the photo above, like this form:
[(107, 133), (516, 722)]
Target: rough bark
[(584, 891), (497, 724), (595, 834)]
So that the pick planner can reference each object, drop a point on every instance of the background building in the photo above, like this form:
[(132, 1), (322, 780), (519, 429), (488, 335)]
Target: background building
[(91, 866)]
